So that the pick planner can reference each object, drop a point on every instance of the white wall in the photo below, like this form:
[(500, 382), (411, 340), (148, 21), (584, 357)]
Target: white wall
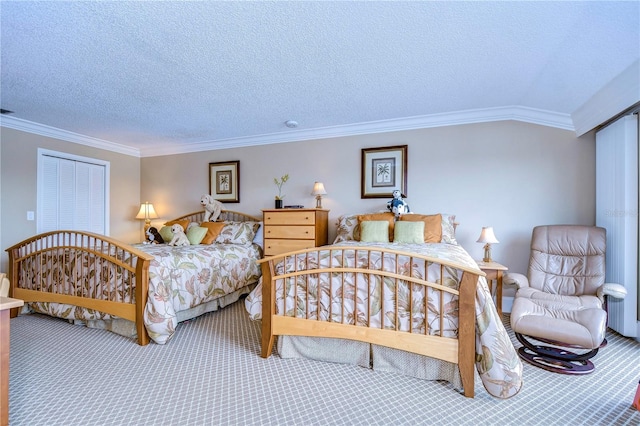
[(509, 175)]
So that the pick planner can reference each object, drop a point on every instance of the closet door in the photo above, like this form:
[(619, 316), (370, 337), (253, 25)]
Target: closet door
[(72, 193)]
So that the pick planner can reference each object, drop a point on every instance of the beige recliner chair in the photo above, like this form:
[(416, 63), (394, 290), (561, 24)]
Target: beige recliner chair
[(561, 301)]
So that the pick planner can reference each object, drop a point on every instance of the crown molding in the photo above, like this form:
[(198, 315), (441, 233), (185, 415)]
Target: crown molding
[(618, 95), (65, 135), (516, 113)]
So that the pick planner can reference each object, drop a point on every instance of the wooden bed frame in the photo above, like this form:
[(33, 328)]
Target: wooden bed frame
[(131, 265), (460, 351)]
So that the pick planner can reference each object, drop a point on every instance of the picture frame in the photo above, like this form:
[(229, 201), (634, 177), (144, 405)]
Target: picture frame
[(224, 181), (384, 170)]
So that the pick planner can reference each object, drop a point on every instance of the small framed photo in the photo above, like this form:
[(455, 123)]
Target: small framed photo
[(383, 171), (224, 181)]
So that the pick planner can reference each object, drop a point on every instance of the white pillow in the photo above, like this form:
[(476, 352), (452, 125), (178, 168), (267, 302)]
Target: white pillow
[(258, 239)]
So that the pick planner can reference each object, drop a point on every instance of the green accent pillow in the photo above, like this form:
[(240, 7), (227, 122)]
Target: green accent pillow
[(374, 231), (166, 233), (195, 235), (409, 232)]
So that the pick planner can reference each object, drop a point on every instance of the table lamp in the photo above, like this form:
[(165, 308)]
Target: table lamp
[(318, 191), (147, 212), (487, 237)]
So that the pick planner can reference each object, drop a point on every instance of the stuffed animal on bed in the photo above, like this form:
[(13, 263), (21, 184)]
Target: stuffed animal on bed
[(179, 237), (397, 205), (153, 236), (212, 208)]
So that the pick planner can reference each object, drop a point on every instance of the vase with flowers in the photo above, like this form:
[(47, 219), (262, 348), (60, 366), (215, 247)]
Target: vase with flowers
[(279, 183)]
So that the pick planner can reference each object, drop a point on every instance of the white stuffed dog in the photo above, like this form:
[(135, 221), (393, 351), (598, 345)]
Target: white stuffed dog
[(212, 208), (179, 237), (398, 206)]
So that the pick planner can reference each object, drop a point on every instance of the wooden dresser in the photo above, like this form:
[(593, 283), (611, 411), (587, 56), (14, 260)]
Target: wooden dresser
[(294, 229)]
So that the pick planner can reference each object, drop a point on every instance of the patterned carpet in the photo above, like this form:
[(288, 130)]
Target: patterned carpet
[(211, 373)]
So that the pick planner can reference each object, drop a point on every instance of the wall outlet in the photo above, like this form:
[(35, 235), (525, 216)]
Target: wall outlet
[(31, 215)]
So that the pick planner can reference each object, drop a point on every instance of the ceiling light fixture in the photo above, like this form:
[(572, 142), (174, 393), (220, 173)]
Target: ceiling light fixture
[(292, 124)]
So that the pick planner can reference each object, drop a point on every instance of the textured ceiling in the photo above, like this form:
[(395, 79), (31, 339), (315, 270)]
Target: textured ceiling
[(163, 76)]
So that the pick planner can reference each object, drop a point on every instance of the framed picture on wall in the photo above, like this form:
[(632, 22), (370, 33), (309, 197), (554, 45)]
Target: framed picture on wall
[(224, 181), (383, 171)]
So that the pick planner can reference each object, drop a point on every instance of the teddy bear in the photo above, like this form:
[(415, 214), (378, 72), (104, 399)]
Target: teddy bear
[(179, 237), (153, 236), (212, 208), (397, 205)]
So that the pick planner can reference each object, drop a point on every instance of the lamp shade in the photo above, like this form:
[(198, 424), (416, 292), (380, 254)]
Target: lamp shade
[(147, 211), (318, 189), (487, 236)]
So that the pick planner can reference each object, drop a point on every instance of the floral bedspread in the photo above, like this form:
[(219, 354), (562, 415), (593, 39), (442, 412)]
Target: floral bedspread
[(180, 278), (496, 359)]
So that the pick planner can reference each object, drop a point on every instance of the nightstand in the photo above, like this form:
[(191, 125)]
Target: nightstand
[(294, 229), (494, 271)]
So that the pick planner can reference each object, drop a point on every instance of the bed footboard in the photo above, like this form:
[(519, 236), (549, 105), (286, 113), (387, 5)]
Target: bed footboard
[(82, 269), (376, 295)]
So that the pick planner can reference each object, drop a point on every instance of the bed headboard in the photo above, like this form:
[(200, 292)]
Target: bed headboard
[(225, 215)]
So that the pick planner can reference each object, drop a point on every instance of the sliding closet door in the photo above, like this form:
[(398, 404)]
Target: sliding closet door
[(617, 211)]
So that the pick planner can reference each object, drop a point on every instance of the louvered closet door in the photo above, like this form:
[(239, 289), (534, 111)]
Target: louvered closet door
[(72, 195), (89, 197)]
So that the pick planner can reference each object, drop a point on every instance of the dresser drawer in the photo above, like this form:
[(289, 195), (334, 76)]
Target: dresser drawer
[(276, 246), (288, 230), (286, 217), (297, 232)]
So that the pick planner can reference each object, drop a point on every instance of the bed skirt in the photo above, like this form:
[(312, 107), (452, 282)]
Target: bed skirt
[(363, 354), (127, 328)]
